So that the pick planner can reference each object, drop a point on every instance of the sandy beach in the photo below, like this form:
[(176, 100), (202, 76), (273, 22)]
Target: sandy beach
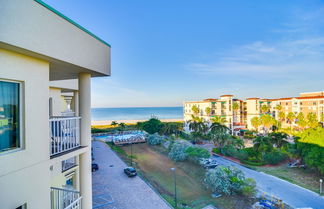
[(108, 122)]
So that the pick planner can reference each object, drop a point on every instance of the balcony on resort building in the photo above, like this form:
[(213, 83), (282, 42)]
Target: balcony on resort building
[(64, 134), (65, 199)]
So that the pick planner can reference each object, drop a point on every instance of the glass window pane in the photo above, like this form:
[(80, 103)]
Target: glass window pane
[(9, 116)]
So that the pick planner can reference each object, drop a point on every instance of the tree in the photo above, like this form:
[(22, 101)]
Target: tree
[(312, 136), (195, 110), (208, 110), (197, 152), (282, 116), (229, 180), (262, 144), (198, 127), (171, 128), (278, 139), (152, 126), (291, 118), (255, 121), (114, 123), (122, 126), (279, 107), (218, 119), (235, 107), (154, 139), (312, 121), (266, 121), (178, 150), (301, 121), (265, 109)]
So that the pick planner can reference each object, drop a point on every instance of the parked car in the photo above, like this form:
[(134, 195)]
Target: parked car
[(130, 171), (203, 161), (94, 167), (210, 164)]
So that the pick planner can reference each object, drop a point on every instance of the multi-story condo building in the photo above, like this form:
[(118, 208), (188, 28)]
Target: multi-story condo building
[(46, 65), (240, 117)]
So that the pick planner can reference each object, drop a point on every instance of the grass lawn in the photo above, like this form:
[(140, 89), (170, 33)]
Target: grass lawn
[(154, 165), (306, 178)]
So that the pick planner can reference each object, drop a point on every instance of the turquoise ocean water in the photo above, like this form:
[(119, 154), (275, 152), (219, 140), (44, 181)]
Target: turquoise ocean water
[(136, 113)]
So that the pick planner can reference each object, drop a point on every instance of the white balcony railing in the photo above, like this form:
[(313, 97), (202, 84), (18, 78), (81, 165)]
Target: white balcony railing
[(65, 199), (64, 134)]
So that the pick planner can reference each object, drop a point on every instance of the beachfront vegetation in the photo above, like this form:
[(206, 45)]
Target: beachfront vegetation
[(230, 180)]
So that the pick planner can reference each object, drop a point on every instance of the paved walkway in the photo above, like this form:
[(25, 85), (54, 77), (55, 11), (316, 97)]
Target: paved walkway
[(292, 194), (111, 185)]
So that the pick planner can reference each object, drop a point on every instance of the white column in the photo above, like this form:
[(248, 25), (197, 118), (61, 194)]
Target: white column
[(76, 102), (85, 130)]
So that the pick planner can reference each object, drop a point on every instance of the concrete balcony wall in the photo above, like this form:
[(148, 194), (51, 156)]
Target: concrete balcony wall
[(32, 28)]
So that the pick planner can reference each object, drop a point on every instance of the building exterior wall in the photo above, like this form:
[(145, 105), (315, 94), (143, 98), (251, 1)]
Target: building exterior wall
[(39, 25), (24, 174), (307, 103)]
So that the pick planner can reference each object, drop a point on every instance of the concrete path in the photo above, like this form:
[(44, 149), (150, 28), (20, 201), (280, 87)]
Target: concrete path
[(111, 184), (292, 194)]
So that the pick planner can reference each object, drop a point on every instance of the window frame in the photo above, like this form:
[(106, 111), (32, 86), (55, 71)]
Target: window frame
[(21, 117)]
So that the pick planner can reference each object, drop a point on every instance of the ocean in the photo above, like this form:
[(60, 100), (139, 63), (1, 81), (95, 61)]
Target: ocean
[(136, 113)]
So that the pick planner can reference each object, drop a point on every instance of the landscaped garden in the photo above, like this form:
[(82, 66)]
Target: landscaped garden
[(154, 165)]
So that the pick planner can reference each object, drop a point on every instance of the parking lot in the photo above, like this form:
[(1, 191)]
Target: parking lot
[(114, 190)]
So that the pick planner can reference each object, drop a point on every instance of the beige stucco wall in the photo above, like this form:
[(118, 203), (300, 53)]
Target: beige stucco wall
[(24, 174), (29, 25)]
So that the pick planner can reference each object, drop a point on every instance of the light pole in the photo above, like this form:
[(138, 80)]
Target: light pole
[(131, 156), (321, 186), (175, 186)]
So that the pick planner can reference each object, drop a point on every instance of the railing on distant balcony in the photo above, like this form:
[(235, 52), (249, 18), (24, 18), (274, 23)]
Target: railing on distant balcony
[(68, 113), (64, 134), (65, 199)]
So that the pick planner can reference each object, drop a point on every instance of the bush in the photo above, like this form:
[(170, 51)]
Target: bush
[(196, 152), (240, 154), (249, 187), (313, 155), (274, 157), (216, 150), (178, 150), (154, 139), (151, 126), (229, 180)]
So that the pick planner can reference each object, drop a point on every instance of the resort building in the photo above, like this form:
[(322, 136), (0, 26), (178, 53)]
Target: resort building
[(240, 117), (46, 65)]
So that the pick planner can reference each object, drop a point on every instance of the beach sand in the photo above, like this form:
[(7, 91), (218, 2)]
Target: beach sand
[(108, 122)]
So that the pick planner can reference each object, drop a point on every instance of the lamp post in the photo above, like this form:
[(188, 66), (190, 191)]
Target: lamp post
[(131, 156), (175, 186), (321, 186)]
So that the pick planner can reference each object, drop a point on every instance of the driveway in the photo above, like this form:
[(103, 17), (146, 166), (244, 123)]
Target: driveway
[(113, 187), (292, 194)]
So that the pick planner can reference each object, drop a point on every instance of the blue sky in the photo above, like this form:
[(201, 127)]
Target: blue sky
[(165, 52)]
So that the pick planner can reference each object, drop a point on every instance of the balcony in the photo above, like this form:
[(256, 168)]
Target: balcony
[(64, 134), (65, 199)]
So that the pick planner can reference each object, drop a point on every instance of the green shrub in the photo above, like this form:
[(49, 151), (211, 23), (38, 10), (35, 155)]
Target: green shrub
[(151, 126), (274, 157), (216, 150), (229, 180), (197, 152), (178, 150), (154, 139)]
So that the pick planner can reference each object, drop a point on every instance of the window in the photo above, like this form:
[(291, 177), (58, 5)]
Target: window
[(69, 163), (10, 124)]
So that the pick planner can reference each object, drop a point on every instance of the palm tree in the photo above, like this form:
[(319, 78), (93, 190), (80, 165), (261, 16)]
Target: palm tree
[(262, 144), (195, 110), (208, 110), (114, 123), (282, 116), (218, 119), (267, 121), (279, 139), (312, 121), (235, 107), (301, 121), (255, 121), (198, 126), (171, 128), (122, 127), (279, 107), (291, 118), (265, 109)]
